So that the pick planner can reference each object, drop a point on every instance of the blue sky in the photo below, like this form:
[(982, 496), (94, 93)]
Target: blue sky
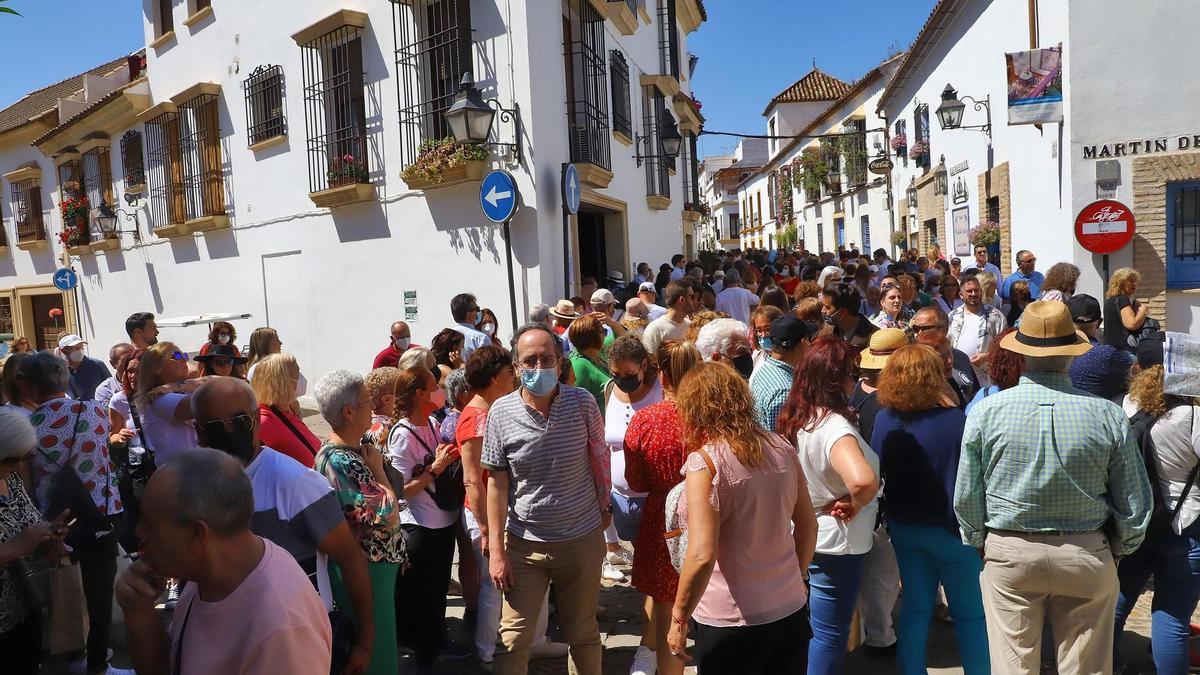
[(65, 38), (751, 50)]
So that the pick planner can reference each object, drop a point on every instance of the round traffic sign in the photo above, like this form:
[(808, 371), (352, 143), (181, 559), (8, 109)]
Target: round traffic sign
[(570, 188), (1104, 226), (65, 278), (498, 196)]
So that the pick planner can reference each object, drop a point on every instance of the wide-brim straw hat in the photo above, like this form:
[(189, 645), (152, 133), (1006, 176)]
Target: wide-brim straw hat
[(1046, 330), (883, 342), (564, 309)]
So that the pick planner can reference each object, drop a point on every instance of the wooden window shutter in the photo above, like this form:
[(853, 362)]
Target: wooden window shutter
[(357, 96)]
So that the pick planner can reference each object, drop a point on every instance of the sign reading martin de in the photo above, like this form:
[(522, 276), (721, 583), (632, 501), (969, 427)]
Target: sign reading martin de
[(1141, 146), (498, 196)]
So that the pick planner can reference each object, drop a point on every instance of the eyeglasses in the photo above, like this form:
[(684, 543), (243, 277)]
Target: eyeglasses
[(921, 329), (544, 362), (179, 356), (1027, 261), (238, 423), (222, 363)]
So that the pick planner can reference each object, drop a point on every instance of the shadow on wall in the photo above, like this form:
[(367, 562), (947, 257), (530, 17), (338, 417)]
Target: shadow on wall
[(455, 210), (375, 73), (44, 260), (155, 291), (221, 244), (184, 249), (360, 222), (1147, 257)]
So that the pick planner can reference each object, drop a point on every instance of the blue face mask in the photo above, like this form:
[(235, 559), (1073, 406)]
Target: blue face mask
[(478, 318), (764, 343), (539, 381)]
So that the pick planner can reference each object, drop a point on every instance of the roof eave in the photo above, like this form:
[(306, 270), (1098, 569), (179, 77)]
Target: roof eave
[(941, 13)]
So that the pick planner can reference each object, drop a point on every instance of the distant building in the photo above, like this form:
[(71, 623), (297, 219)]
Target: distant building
[(719, 178)]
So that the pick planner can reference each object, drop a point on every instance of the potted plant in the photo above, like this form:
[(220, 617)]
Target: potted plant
[(900, 239), (346, 170), (442, 162), (919, 151), (75, 220), (987, 234), (900, 144)]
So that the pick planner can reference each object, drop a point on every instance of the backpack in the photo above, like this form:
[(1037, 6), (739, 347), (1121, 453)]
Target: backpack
[(450, 492), (1161, 516), (676, 525)]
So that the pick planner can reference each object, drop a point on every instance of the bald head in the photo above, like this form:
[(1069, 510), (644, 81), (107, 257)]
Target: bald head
[(223, 397), (400, 330), (118, 351), (931, 318), (204, 485)]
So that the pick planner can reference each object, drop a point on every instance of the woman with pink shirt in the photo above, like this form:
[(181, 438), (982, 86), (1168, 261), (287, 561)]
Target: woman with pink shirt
[(742, 583)]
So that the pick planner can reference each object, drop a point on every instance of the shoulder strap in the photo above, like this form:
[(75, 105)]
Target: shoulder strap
[(608, 390), (137, 423), (291, 427), (707, 461), (417, 436)]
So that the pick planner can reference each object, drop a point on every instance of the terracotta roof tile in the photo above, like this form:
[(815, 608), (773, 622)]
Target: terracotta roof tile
[(815, 86), (36, 103)]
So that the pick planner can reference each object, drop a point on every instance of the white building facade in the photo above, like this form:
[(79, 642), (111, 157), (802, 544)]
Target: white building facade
[(291, 165), (1136, 142), (719, 179)]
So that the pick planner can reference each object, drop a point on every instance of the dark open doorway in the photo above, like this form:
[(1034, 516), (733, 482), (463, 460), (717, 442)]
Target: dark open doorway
[(593, 255)]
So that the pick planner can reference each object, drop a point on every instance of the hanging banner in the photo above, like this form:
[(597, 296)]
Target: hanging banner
[(1035, 86)]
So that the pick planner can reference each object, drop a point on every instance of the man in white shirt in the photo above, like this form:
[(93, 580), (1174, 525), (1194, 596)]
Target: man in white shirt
[(677, 265), (718, 281), (735, 300), (973, 326), (981, 263), (465, 311), (650, 296), (681, 299)]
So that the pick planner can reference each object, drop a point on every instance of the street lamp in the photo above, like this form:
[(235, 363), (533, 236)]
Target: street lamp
[(950, 112), (470, 118), (106, 217), (912, 194), (669, 142)]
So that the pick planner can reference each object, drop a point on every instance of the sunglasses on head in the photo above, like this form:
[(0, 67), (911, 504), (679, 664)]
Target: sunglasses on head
[(239, 423)]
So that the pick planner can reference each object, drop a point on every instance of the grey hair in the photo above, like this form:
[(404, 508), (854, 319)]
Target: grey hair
[(456, 386), (1048, 364), (212, 487), (16, 434), (335, 391), (45, 372), (558, 346), (112, 353), (539, 313), (416, 357), (718, 335)]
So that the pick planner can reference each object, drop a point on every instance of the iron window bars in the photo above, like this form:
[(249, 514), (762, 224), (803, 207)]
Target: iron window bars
[(668, 39), (263, 91), (854, 148), (1186, 225), (587, 83), (335, 110), (97, 185), (202, 180), (622, 104), (653, 111), (432, 51), (27, 210), (164, 175), (691, 171), (131, 159)]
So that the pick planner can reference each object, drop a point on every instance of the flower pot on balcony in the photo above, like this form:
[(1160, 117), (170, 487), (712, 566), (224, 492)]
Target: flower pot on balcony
[(468, 170)]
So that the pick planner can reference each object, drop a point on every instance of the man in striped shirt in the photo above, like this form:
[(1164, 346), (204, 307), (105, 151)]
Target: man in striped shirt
[(547, 504), (772, 381)]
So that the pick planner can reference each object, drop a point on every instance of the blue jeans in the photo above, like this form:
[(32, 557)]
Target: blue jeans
[(1174, 561), (832, 596), (927, 556)]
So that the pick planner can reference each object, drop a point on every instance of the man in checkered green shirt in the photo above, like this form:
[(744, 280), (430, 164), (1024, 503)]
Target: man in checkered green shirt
[(772, 380), (1051, 489)]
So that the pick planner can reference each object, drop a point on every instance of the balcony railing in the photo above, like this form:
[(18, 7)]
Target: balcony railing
[(27, 210), (587, 87)]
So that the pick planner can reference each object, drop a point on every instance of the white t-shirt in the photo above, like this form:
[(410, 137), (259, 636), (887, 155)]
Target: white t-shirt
[(617, 415), (406, 453), (835, 537), (736, 302), (660, 330), (120, 403), (167, 436), (968, 338)]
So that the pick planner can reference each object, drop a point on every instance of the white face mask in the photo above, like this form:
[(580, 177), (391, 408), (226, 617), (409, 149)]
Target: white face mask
[(301, 385), (223, 338), (402, 343), (438, 398), (76, 357), (489, 328)]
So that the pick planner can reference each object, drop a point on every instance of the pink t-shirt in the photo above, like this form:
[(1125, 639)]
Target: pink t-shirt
[(757, 578), (273, 622)]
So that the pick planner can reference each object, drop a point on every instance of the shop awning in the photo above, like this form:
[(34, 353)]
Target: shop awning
[(185, 321)]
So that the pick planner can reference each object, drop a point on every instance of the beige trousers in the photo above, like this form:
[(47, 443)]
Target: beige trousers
[(573, 567), (1069, 580)]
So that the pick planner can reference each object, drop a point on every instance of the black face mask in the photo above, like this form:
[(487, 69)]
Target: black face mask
[(628, 383), (238, 443), (744, 364)]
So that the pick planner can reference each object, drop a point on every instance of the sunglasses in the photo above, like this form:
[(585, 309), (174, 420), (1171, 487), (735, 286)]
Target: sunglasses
[(222, 363), (921, 329), (179, 356), (238, 423)]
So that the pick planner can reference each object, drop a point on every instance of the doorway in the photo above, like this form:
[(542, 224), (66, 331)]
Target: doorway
[(593, 253), (47, 329)]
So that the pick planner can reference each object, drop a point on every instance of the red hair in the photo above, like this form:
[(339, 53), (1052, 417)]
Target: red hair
[(1005, 366), (819, 386)]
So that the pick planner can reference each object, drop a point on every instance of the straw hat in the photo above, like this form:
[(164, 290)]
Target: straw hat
[(883, 342), (1046, 330), (564, 309)]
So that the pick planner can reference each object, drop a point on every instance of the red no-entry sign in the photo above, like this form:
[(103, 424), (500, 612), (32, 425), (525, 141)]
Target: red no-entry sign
[(1104, 226)]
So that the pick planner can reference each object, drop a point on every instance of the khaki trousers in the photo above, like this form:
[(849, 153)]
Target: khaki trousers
[(1069, 580), (573, 566)]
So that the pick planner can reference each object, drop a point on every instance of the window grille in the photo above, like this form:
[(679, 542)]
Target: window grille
[(200, 151), (668, 39), (166, 21), (653, 110), (587, 95), (27, 210), (921, 133), (993, 209), (335, 110), (97, 184), (164, 170), (1186, 223), (131, 159), (866, 233), (854, 148), (264, 104), (691, 171), (734, 227), (832, 158), (773, 194), (622, 105), (433, 46)]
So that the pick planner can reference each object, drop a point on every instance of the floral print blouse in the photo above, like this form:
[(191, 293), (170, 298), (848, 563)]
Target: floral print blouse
[(17, 512), (373, 515)]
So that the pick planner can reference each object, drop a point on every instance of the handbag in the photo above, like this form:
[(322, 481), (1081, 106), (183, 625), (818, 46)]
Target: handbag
[(69, 623), (676, 523), (33, 584), (451, 492), (345, 637), (67, 491)]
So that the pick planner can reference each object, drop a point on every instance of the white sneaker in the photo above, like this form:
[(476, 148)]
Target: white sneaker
[(644, 662), (611, 573), (619, 557), (549, 650)]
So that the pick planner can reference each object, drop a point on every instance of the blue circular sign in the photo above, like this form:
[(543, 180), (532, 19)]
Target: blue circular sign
[(498, 196), (571, 189), (65, 279)]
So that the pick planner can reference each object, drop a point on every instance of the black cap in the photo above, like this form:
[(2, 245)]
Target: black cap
[(788, 330), (1084, 308), (1150, 350)]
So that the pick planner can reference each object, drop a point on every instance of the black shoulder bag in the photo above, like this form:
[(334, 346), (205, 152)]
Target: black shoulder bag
[(451, 491)]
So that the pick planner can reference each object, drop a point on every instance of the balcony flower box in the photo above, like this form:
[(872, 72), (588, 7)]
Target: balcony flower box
[(900, 144), (346, 170), (444, 163)]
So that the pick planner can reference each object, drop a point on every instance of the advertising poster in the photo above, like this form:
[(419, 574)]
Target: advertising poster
[(961, 221), (1035, 93)]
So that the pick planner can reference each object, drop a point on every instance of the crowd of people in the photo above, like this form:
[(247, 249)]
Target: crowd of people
[(763, 445)]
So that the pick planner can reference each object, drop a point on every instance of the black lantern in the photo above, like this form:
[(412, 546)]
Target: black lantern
[(912, 195), (106, 217), (950, 112), (670, 140), (470, 119)]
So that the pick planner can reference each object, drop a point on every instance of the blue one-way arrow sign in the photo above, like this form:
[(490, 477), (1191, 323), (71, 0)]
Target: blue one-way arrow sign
[(498, 196)]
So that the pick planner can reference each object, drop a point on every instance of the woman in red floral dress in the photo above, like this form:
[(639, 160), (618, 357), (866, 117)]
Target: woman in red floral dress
[(654, 457)]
